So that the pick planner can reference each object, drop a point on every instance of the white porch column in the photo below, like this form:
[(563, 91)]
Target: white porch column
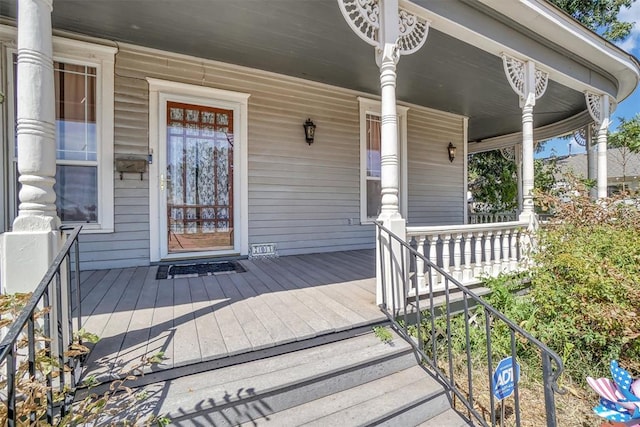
[(518, 149), (599, 109), (388, 58), (390, 216), (392, 31), (35, 239), (592, 169), (530, 84), (584, 138)]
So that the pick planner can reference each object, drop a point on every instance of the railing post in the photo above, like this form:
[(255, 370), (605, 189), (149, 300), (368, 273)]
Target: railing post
[(393, 269), (549, 398)]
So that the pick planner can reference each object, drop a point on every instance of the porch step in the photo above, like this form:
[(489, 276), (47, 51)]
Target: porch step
[(357, 381), (448, 418), (404, 398)]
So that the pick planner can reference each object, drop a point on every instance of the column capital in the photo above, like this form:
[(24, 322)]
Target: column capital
[(600, 107), (527, 81), (366, 19)]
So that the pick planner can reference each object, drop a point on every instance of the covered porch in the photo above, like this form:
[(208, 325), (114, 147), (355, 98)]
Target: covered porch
[(410, 81), (208, 319)]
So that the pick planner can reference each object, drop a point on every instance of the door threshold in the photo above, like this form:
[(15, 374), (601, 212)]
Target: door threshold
[(189, 259)]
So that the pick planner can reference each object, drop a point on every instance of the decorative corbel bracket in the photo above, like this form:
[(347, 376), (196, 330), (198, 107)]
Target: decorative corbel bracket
[(580, 136), (364, 18), (600, 107), (508, 153), (527, 81)]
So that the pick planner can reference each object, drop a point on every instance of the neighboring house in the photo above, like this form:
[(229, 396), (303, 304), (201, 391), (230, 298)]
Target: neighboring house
[(623, 169), (179, 125)]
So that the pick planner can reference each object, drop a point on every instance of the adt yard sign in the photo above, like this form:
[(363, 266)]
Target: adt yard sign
[(504, 379)]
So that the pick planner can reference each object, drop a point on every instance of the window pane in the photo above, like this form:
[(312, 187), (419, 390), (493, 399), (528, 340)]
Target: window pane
[(373, 145), (76, 193), (373, 198), (75, 89)]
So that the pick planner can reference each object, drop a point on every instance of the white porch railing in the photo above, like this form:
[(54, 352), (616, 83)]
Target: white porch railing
[(467, 252), (488, 218)]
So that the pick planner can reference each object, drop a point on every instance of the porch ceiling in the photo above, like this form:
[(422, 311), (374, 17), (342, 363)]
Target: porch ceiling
[(311, 40)]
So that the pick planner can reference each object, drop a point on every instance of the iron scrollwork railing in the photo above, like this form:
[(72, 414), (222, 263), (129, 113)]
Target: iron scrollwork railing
[(40, 323), (435, 342)]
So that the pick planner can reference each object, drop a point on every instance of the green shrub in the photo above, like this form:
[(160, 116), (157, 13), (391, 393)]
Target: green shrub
[(585, 285), (582, 296)]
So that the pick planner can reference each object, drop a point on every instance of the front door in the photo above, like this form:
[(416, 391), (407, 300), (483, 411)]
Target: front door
[(198, 178)]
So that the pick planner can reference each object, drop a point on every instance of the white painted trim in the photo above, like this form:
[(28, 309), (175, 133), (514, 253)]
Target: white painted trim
[(465, 171), (542, 133), (103, 59), (9, 149), (195, 255), (5, 163), (564, 33), (68, 42), (404, 171), (189, 90), (161, 91), (598, 50), (372, 106)]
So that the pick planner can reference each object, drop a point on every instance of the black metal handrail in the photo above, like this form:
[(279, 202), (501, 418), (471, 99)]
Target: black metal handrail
[(401, 268), (47, 296)]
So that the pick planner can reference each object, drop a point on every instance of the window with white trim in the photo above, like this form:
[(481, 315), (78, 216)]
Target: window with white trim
[(372, 169), (83, 84), (370, 145)]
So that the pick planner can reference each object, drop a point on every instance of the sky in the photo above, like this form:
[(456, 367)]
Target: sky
[(627, 109)]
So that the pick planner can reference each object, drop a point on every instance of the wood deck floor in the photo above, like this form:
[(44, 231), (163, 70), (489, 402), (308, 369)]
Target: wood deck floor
[(192, 320)]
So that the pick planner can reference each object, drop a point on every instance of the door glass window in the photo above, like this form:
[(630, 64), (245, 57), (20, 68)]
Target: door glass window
[(199, 178)]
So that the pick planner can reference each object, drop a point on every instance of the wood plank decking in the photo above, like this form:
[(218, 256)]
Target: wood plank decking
[(193, 320)]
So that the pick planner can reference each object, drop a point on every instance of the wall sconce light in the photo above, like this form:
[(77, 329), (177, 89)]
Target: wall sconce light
[(309, 131), (452, 152)]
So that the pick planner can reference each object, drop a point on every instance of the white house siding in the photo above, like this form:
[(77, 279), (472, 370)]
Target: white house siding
[(436, 186), (303, 198)]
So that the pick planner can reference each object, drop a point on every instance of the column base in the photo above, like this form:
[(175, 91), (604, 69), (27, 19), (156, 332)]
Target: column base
[(25, 257), (398, 226)]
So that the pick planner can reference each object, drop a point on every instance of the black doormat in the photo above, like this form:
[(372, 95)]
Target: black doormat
[(177, 271)]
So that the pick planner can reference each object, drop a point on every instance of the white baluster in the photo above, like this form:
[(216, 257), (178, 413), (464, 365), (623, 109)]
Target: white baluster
[(487, 253), (477, 271), (504, 262), (420, 279), (514, 250), (432, 254), (466, 271), (457, 258), (446, 254), (496, 252)]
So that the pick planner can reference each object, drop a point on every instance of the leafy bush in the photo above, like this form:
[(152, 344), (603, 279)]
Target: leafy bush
[(583, 291), (585, 286)]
